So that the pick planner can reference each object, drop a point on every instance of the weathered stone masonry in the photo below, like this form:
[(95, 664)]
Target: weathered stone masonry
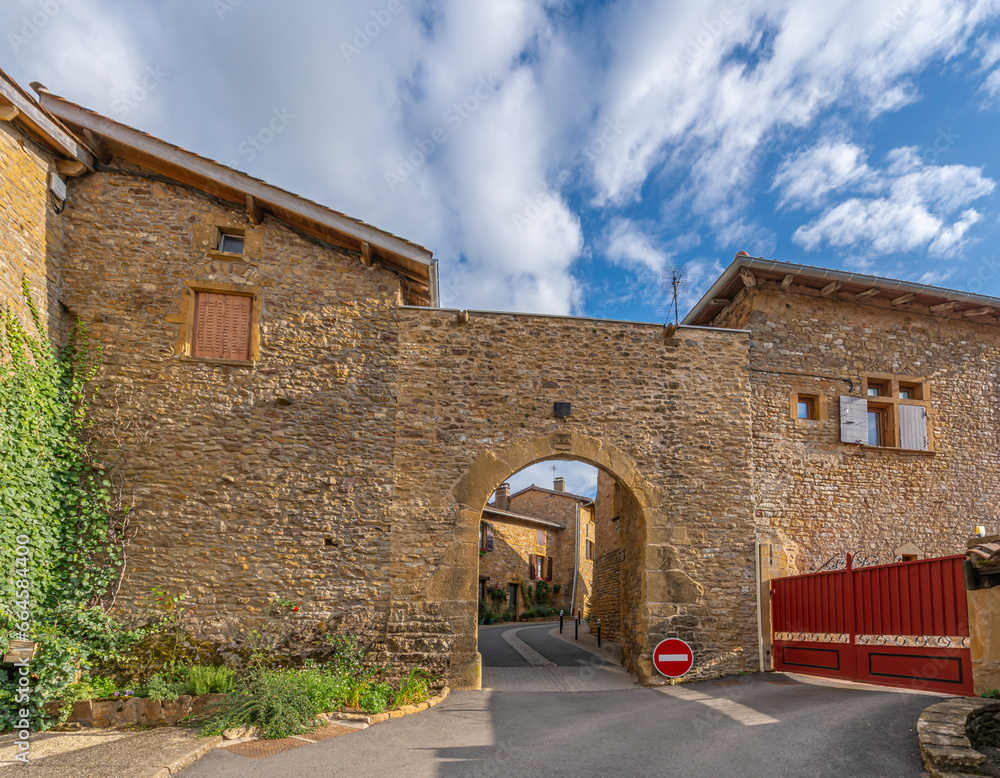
[(676, 435)]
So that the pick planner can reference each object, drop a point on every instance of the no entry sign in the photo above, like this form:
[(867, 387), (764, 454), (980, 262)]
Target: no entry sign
[(673, 657)]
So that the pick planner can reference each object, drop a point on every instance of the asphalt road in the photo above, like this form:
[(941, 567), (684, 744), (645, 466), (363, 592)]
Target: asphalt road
[(757, 725)]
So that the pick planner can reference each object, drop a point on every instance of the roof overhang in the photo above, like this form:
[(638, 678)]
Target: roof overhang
[(20, 108), (746, 270), (110, 139), (511, 516)]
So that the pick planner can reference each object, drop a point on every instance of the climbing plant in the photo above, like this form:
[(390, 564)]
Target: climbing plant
[(64, 523)]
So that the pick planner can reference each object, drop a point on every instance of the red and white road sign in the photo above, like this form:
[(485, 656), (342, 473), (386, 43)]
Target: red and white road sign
[(673, 657)]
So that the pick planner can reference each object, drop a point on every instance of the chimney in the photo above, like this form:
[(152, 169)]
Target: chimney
[(559, 484), (501, 500)]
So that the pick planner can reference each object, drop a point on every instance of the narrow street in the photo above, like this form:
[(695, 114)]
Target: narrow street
[(551, 707)]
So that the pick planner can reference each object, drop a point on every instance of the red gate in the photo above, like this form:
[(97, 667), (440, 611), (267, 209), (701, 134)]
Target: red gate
[(904, 624)]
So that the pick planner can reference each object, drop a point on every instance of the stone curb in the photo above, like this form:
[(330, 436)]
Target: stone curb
[(378, 718), (203, 747), (944, 743)]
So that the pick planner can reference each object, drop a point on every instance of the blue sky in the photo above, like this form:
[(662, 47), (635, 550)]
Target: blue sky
[(558, 155)]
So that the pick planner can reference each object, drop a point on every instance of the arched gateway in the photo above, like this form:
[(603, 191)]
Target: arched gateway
[(667, 418)]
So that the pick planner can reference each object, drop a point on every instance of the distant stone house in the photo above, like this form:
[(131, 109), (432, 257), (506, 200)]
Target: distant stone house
[(318, 429), (537, 534)]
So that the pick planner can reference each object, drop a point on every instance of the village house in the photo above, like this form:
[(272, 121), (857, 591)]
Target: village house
[(537, 534), (306, 422)]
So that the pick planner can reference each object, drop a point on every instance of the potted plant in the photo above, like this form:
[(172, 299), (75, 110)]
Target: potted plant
[(488, 615), (482, 611)]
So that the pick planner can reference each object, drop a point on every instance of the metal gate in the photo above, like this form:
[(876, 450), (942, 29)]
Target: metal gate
[(903, 624)]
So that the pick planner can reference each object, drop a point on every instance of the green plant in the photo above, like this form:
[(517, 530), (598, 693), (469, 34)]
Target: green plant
[(992, 694), (414, 688), (209, 680), (496, 592), (543, 591), (65, 509)]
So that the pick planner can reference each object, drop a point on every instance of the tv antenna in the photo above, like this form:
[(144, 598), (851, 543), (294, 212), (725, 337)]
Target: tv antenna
[(674, 282)]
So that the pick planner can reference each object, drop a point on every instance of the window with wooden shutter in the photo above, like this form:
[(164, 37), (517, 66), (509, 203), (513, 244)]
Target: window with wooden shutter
[(548, 568), (913, 427), (489, 537), (533, 568), (222, 325), (853, 420)]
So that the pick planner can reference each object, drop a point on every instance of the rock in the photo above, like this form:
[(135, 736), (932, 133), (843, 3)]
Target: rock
[(236, 733)]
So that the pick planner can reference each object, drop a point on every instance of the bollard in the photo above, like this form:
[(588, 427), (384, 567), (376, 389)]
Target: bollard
[(560, 621), (576, 629), (598, 633)]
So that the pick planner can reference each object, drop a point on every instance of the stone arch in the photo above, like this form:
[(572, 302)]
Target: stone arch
[(659, 578)]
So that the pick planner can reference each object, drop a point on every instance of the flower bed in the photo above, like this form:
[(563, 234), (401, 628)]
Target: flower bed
[(129, 711)]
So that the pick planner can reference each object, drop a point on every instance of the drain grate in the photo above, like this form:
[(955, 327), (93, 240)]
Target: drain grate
[(261, 749), (329, 731)]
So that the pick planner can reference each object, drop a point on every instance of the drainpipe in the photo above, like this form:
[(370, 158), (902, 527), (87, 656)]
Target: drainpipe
[(576, 561), (760, 622)]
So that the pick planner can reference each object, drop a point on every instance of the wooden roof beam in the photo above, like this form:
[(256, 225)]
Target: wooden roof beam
[(830, 288), (254, 213), (978, 311), (720, 301), (867, 293), (8, 111), (749, 279), (903, 300), (952, 304), (787, 281)]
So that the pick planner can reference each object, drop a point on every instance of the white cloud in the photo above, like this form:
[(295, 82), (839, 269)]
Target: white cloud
[(591, 110), (915, 209), (629, 246), (805, 179), (697, 97)]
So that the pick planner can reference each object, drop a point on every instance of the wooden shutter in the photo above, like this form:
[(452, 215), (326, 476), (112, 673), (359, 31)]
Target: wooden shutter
[(531, 564), (853, 419), (489, 537), (222, 326), (548, 566), (913, 427)]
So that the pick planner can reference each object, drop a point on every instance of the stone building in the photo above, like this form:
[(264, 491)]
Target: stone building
[(538, 534), (315, 428)]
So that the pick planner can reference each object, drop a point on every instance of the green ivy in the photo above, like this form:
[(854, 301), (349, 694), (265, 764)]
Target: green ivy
[(54, 494)]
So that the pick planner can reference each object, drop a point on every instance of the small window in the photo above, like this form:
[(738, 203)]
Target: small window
[(878, 389), (806, 407), (590, 549), (908, 391), (231, 244), (908, 558), (222, 324), (540, 538)]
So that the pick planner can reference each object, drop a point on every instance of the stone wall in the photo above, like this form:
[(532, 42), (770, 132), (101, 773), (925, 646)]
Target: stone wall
[(475, 406), (816, 497), (30, 231), (607, 589), (257, 481)]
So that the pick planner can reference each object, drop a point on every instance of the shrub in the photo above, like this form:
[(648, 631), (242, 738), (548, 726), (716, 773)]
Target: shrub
[(209, 680), (414, 688)]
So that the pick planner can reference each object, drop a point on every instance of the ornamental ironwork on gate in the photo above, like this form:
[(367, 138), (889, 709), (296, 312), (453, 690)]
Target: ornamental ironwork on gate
[(902, 624)]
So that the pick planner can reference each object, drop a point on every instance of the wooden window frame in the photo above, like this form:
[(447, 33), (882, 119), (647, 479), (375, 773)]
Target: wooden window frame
[(185, 337), (540, 533), (889, 404), (816, 398)]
